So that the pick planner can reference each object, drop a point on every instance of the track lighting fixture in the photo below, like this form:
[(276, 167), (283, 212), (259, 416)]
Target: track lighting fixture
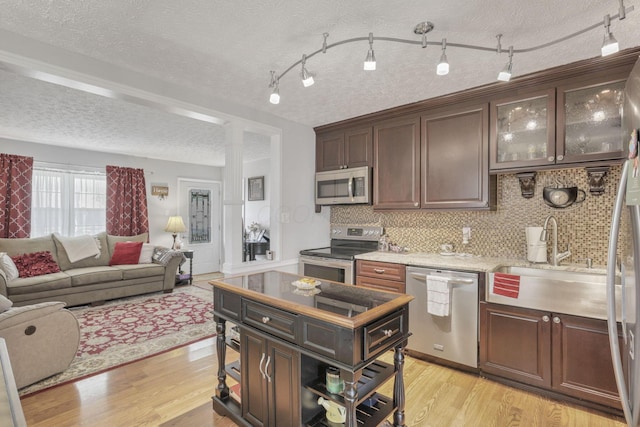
[(609, 44), (275, 93), (370, 62), (505, 74), (443, 65), (307, 77)]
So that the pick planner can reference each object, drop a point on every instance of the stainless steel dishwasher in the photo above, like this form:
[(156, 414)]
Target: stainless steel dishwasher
[(453, 337)]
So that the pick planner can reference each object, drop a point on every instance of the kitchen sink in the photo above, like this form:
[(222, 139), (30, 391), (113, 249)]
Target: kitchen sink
[(557, 290)]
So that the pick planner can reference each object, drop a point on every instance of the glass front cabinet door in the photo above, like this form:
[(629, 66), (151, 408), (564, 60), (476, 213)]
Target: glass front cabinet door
[(589, 122), (523, 131)]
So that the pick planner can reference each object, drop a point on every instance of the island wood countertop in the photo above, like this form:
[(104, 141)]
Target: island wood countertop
[(343, 305)]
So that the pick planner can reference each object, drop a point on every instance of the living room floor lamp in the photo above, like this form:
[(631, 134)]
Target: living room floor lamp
[(175, 225)]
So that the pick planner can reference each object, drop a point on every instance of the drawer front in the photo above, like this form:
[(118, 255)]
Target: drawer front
[(382, 284), (378, 335), (381, 270), (226, 304), (271, 320), (330, 340)]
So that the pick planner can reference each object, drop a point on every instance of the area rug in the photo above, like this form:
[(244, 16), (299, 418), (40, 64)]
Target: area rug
[(130, 329)]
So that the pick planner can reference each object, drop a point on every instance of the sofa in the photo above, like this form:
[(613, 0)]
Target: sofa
[(41, 339), (91, 279)]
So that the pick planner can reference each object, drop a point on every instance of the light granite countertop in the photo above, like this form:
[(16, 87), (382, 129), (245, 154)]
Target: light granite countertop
[(465, 262)]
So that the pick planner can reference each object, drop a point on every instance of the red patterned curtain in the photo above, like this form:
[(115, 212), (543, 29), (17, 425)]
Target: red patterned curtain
[(15, 195), (126, 202)]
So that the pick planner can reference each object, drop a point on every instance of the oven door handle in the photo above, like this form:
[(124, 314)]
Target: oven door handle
[(324, 261), (452, 280)]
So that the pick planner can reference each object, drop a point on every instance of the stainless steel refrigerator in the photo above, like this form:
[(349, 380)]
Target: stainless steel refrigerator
[(624, 241)]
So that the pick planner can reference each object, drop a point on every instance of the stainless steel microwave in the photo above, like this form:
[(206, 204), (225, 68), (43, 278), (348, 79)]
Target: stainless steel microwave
[(344, 186)]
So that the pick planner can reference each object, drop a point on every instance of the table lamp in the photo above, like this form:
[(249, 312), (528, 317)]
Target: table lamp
[(175, 225)]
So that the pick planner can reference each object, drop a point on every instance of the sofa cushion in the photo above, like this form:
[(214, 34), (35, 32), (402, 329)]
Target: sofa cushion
[(35, 264), (102, 260), (126, 253), (8, 267), (138, 271), (112, 240), (146, 254), (25, 246), (91, 275), (5, 303), (46, 282)]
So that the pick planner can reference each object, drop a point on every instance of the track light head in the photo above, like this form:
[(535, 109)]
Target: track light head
[(275, 93), (370, 61), (307, 77), (505, 74), (609, 44), (443, 65)]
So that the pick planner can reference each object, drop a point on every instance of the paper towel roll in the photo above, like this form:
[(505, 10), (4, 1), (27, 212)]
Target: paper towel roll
[(533, 235), (536, 249)]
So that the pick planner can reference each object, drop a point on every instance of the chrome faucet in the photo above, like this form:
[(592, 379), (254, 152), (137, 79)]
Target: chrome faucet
[(555, 256)]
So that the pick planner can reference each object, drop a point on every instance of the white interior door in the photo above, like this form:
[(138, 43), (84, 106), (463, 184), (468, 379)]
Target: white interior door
[(199, 204)]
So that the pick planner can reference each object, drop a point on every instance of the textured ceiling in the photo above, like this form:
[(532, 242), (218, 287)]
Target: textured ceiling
[(227, 48)]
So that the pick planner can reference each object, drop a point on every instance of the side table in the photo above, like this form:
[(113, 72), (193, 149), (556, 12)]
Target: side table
[(182, 279)]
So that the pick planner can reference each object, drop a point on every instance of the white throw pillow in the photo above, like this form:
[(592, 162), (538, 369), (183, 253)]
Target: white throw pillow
[(7, 265), (146, 253), (5, 303)]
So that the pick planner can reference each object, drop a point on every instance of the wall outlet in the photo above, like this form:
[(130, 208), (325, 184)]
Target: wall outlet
[(285, 217), (466, 235)]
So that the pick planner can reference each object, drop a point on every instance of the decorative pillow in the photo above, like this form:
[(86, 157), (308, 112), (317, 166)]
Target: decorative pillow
[(146, 253), (35, 264), (7, 265), (126, 253), (5, 303)]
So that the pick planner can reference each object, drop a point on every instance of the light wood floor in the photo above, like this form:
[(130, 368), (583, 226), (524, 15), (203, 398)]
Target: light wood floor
[(175, 388)]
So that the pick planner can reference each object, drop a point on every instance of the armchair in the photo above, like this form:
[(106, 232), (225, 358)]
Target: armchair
[(42, 340)]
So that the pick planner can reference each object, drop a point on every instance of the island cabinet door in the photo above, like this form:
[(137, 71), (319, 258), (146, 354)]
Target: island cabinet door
[(253, 355), (283, 382), (515, 344), (270, 382)]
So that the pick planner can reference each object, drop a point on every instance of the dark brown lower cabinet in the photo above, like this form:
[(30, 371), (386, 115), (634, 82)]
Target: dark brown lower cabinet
[(270, 382), (566, 354)]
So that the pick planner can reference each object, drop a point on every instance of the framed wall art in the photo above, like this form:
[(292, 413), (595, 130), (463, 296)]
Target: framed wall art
[(256, 188)]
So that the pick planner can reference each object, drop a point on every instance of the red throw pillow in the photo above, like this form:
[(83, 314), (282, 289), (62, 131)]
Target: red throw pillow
[(35, 264), (126, 253)]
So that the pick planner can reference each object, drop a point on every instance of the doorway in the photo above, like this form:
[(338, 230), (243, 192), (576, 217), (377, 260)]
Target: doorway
[(199, 204)]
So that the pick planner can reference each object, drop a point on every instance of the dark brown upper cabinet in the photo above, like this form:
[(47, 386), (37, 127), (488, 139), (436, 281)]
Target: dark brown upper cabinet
[(396, 170), (343, 149), (589, 122), (454, 153), (523, 131)]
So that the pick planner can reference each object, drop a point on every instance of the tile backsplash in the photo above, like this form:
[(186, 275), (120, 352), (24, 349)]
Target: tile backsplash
[(585, 226)]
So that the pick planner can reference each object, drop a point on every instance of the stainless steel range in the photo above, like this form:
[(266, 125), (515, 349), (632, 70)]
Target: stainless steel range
[(336, 262)]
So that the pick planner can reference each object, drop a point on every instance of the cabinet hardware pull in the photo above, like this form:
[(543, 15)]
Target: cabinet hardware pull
[(550, 158), (260, 366), (545, 318), (266, 369), (266, 319), (387, 332), (556, 319), (416, 204), (560, 157), (379, 270)]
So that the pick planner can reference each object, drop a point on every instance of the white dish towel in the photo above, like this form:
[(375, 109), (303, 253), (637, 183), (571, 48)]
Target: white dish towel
[(438, 296)]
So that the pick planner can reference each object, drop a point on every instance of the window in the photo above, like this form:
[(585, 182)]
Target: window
[(67, 201)]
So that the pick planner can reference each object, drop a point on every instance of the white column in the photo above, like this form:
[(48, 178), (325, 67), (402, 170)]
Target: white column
[(232, 197)]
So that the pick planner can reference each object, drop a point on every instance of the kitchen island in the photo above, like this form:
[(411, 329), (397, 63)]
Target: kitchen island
[(291, 331)]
